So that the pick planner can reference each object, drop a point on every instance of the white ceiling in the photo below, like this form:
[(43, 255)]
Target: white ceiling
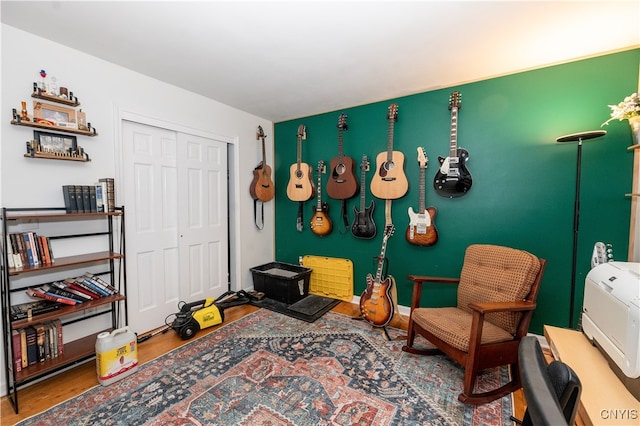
[(282, 60)]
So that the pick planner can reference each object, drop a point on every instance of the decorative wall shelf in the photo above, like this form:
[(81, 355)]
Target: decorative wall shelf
[(71, 102), (91, 132), (57, 157)]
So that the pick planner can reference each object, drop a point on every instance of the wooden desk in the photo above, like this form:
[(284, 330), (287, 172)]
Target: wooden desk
[(604, 399)]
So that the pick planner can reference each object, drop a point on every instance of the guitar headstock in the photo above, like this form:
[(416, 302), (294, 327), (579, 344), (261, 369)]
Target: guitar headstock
[(422, 158), (364, 163), (320, 167), (393, 112), (342, 122), (455, 100), (302, 132), (260, 134), (389, 230)]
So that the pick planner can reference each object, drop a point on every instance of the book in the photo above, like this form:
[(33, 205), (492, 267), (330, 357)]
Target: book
[(31, 259), (99, 198), (50, 289), (67, 288), (108, 287), (17, 351), (95, 287), (40, 294), (110, 193), (59, 344), (72, 283), (69, 195), (17, 258), (31, 309), (79, 198), (23, 347), (86, 198), (41, 343), (32, 345), (92, 198), (9, 251)]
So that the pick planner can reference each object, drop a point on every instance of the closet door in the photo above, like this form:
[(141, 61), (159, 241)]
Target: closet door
[(171, 181)]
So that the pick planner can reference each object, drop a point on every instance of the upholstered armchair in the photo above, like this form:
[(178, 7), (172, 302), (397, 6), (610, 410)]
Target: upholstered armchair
[(496, 297)]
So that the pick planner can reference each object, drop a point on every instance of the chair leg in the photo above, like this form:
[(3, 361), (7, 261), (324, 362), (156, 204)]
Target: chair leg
[(470, 378)]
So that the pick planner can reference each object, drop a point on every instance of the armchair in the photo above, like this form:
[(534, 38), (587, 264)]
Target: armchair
[(496, 297)]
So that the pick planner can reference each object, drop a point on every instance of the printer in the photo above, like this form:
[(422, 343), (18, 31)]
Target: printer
[(611, 318)]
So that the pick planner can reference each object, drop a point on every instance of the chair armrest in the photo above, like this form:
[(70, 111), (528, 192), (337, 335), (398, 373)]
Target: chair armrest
[(419, 279), (487, 307)]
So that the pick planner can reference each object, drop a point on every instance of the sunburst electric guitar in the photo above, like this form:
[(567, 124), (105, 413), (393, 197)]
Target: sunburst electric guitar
[(453, 179), (300, 186), (376, 303), (262, 186), (422, 227), (320, 223), (389, 181), (363, 223), (342, 183)]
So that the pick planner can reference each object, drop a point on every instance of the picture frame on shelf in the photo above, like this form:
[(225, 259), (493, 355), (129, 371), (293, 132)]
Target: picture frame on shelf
[(53, 142), (54, 115)]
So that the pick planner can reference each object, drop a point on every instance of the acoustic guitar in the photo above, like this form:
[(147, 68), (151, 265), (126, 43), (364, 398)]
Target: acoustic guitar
[(262, 185), (389, 181), (320, 222), (422, 228), (300, 186), (453, 178), (342, 183), (376, 303), (363, 223)]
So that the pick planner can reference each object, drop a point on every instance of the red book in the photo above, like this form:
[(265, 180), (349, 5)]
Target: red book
[(37, 293)]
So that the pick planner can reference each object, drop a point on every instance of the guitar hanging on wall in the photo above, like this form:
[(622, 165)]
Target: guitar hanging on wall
[(389, 181), (453, 179), (376, 303), (342, 183), (363, 224), (422, 228), (320, 222), (300, 186), (262, 187)]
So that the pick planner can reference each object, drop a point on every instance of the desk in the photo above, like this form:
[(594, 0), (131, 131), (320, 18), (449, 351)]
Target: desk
[(604, 399)]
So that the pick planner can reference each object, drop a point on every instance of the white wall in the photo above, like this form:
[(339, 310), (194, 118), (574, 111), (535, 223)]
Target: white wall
[(106, 93)]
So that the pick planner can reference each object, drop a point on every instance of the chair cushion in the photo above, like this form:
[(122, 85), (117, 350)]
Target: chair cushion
[(497, 274), (453, 326)]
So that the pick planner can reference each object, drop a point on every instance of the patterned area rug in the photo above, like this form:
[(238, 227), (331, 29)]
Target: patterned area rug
[(271, 369)]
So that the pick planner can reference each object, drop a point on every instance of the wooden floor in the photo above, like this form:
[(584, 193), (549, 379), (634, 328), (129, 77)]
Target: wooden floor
[(45, 394)]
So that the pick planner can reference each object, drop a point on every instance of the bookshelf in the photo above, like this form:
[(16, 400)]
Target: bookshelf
[(110, 262)]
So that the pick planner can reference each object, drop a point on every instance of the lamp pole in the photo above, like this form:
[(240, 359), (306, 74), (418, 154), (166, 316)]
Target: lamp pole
[(579, 137)]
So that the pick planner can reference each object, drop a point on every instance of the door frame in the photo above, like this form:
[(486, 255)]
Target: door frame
[(233, 168)]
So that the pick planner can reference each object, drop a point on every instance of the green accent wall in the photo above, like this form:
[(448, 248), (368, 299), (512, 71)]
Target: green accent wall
[(523, 181)]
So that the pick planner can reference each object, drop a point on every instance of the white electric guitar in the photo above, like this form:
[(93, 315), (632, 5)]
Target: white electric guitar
[(602, 253)]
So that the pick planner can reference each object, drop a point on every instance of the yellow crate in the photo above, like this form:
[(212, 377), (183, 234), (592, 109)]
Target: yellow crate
[(330, 277)]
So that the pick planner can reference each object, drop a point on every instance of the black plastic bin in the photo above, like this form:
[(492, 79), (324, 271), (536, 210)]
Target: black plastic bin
[(282, 281)]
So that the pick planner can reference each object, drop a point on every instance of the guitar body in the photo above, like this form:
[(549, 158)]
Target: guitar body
[(422, 229), (300, 186), (342, 183), (376, 303), (453, 184), (262, 187), (320, 222), (363, 223), (389, 181)]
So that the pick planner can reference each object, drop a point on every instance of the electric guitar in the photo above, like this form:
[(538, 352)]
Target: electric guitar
[(602, 253), (300, 186), (422, 228), (376, 303), (453, 179), (389, 181), (363, 224), (342, 183), (262, 186), (320, 223)]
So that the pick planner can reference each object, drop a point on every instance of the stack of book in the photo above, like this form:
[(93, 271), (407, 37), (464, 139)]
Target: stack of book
[(73, 291), (35, 344), (31, 309), (96, 198), (28, 248)]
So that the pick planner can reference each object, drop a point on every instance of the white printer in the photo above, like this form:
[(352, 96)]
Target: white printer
[(611, 315)]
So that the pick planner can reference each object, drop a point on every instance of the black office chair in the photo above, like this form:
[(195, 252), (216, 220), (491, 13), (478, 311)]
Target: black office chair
[(552, 391)]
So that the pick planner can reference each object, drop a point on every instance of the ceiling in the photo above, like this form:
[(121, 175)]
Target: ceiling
[(282, 60)]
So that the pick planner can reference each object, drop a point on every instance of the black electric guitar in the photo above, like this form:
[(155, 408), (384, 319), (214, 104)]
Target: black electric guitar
[(363, 224), (376, 303), (453, 179), (320, 223), (422, 227), (342, 183)]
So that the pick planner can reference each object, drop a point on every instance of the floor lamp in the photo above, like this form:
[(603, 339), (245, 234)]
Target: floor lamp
[(577, 137)]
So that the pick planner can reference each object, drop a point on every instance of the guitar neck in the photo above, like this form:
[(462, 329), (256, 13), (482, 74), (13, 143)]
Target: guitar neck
[(421, 207), (381, 260), (299, 160), (340, 149), (264, 159), (390, 140), (320, 167), (453, 140), (363, 175)]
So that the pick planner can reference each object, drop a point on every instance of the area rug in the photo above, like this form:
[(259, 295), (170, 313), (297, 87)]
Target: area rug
[(271, 369)]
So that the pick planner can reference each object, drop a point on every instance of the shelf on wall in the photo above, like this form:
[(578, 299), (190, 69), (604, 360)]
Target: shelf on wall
[(56, 99), (57, 157), (54, 128)]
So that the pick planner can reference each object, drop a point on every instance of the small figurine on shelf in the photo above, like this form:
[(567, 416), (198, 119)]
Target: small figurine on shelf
[(43, 85), (24, 116)]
